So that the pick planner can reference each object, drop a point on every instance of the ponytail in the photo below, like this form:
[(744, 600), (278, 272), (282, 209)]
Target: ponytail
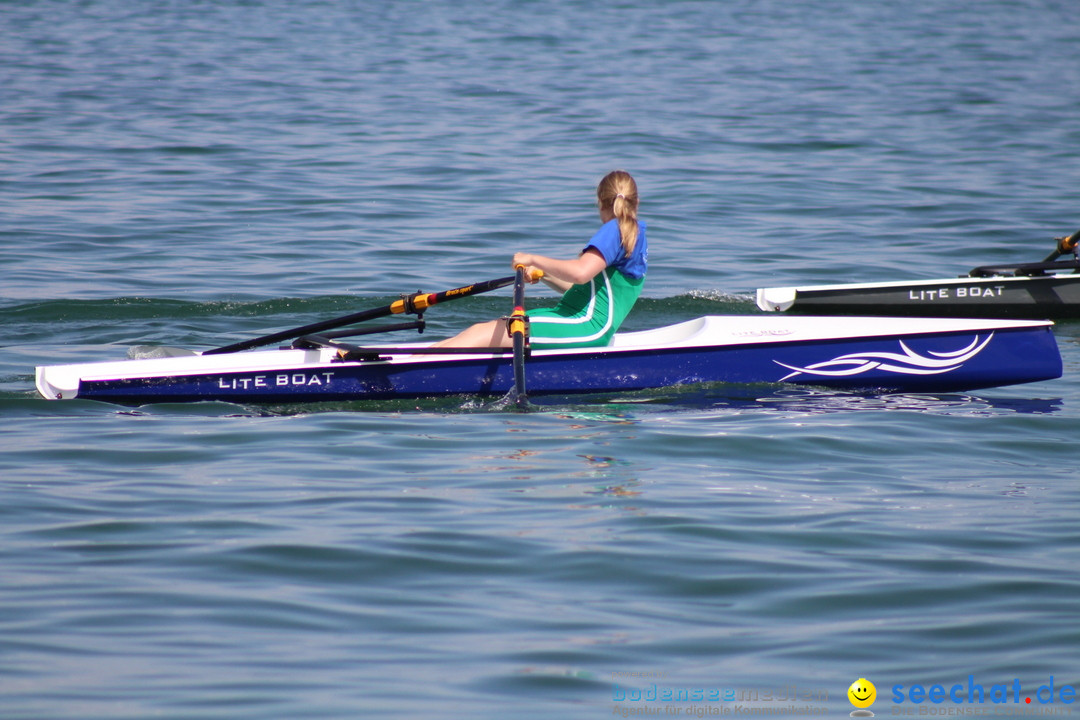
[(619, 192)]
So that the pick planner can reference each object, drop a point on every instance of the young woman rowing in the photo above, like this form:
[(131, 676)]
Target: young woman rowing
[(599, 286)]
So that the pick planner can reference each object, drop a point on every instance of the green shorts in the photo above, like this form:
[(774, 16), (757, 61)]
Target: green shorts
[(588, 314)]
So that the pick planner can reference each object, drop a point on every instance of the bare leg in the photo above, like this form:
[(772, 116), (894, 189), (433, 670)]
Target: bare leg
[(486, 334)]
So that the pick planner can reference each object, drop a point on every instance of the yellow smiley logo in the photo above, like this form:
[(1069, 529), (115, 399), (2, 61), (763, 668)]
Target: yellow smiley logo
[(862, 693)]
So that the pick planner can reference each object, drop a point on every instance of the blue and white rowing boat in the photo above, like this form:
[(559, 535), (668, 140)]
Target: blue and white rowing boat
[(854, 353)]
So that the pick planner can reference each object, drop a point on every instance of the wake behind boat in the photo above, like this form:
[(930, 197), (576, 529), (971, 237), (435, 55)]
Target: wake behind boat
[(879, 354), (1047, 289)]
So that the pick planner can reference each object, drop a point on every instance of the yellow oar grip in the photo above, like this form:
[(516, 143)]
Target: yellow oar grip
[(535, 275)]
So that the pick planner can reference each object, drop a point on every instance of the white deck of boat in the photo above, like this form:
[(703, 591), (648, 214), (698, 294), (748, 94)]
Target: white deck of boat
[(719, 330)]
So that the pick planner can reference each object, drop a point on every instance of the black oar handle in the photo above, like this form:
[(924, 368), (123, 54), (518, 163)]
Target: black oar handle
[(415, 303), (518, 328)]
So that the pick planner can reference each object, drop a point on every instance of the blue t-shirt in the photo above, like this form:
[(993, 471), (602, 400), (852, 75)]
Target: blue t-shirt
[(609, 242)]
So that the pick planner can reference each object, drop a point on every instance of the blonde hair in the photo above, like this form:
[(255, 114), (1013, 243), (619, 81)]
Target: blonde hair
[(618, 191)]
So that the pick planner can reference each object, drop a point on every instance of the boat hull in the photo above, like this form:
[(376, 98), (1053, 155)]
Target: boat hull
[(1049, 296), (877, 354)]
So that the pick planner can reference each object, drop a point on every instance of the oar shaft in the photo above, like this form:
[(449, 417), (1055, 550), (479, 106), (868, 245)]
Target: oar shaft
[(415, 303), (1065, 246), (303, 330), (518, 330), (420, 301)]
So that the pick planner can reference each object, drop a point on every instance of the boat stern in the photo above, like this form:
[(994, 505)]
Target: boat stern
[(54, 384), (776, 299)]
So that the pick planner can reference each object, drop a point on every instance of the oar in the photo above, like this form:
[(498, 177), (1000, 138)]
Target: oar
[(517, 329), (415, 303), (1065, 245)]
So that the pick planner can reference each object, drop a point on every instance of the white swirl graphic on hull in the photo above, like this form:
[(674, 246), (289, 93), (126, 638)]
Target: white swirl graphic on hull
[(907, 363)]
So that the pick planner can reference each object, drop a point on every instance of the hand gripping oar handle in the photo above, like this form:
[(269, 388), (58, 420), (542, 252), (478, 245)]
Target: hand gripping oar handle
[(415, 303)]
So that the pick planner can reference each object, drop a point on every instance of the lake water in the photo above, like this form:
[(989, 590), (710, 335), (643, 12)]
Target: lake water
[(192, 173)]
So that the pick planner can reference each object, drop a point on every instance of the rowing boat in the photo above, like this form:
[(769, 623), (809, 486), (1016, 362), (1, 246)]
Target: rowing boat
[(861, 353), (1047, 289), (1050, 296)]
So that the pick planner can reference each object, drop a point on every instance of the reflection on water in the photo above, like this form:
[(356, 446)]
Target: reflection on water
[(813, 401), (629, 408)]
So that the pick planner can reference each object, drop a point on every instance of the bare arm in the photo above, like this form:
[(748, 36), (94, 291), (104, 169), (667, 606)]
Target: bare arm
[(559, 286), (561, 274)]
